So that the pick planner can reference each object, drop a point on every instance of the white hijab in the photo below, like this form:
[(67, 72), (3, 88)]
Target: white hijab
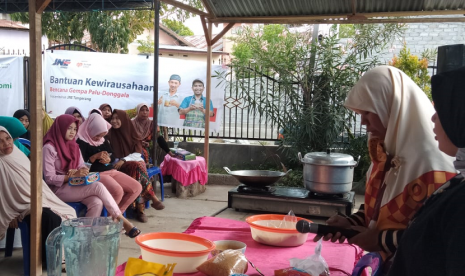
[(405, 112), (15, 190)]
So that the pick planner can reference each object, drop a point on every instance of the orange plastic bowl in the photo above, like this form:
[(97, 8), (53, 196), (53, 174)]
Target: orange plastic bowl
[(187, 251), (271, 229)]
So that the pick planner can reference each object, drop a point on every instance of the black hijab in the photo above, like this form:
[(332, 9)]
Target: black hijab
[(448, 91), (20, 113)]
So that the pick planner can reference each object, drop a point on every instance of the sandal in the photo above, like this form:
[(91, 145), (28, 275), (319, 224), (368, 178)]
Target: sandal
[(134, 232)]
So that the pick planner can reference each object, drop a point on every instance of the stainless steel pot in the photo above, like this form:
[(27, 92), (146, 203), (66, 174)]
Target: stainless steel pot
[(256, 178), (327, 172)]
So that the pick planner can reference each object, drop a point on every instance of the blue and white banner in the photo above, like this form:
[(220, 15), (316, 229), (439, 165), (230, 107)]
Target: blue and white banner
[(11, 84), (88, 79)]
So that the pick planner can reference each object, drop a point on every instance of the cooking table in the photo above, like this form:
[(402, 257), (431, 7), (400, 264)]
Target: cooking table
[(185, 172), (341, 258)]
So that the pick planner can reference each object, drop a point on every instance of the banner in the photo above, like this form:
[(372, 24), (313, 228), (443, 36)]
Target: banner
[(11, 84), (87, 79)]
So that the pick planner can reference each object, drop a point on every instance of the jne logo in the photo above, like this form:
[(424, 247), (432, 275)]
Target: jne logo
[(62, 62)]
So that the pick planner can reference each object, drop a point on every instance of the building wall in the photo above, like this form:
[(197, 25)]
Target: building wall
[(421, 36), (164, 39), (190, 56), (16, 42)]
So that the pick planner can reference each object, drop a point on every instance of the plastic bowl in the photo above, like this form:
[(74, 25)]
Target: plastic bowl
[(273, 230), (228, 244), (187, 251)]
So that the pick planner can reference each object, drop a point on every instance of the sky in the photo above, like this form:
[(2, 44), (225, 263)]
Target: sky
[(195, 25)]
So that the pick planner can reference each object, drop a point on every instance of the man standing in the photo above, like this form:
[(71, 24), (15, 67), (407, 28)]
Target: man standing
[(168, 103), (194, 106)]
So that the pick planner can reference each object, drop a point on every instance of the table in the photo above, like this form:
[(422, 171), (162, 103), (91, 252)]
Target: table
[(190, 176), (341, 258)]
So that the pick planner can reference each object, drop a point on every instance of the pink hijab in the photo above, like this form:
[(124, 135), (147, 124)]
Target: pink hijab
[(93, 126), (68, 151)]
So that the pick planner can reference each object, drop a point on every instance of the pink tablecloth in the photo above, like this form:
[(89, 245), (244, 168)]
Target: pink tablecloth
[(186, 172), (341, 258)]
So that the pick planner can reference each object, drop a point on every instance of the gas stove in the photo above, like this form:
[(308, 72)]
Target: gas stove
[(283, 199)]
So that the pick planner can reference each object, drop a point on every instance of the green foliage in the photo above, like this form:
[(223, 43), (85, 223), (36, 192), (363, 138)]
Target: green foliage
[(313, 79), (416, 68), (146, 46), (177, 27), (345, 30), (110, 31)]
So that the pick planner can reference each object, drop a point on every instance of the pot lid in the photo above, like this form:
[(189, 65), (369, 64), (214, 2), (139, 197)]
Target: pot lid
[(328, 158)]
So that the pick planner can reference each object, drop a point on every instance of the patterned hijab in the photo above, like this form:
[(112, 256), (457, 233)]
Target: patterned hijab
[(93, 126), (68, 151), (124, 140), (143, 126), (415, 166), (15, 190)]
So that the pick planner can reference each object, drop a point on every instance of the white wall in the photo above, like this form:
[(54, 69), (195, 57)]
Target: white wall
[(17, 40)]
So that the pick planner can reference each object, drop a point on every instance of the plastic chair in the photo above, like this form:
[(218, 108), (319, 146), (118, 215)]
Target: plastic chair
[(373, 260), (26, 243), (81, 208), (152, 172), (25, 142)]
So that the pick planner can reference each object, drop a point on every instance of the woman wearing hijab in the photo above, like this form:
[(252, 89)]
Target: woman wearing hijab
[(433, 243), (62, 160), (96, 151), (144, 127), (76, 113), (25, 117), (15, 192), (106, 111), (16, 129), (46, 122), (127, 147), (406, 164)]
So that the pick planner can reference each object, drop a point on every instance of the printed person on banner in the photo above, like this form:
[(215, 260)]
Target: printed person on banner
[(168, 103), (194, 106)]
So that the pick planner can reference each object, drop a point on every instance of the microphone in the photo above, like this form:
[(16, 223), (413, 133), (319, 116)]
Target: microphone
[(304, 226)]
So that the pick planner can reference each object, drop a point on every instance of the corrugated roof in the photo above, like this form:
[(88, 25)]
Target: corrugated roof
[(322, 11), (8, 24), (11, 6), (199, 42)]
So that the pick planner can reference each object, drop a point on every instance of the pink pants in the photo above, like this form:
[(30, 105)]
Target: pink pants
[(122, 187), (94, 196)]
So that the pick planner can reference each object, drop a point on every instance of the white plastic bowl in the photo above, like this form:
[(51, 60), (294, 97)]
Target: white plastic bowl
[(273, 230), (228, 244), (187, 251)]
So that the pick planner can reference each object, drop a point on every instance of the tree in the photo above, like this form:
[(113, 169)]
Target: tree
[(177, 27), (302, 84), (146, 46), (110, 31), (416, 68)]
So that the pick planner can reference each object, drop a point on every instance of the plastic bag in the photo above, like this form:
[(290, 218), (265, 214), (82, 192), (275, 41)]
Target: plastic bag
[(288, 222), (224, 264), (138, 267), (314, 265)]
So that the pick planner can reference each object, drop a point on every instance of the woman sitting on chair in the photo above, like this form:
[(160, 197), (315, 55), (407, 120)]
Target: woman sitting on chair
[(127, 147), (25, 117), (62, 160), (15, 193), (433, 242), (98, 152), (16, 129), (144, 128)]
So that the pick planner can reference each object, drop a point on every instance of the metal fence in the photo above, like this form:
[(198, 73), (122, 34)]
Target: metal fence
[(240, 122)]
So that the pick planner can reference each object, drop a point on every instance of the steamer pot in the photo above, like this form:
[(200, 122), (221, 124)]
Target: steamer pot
[(327, 172)]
